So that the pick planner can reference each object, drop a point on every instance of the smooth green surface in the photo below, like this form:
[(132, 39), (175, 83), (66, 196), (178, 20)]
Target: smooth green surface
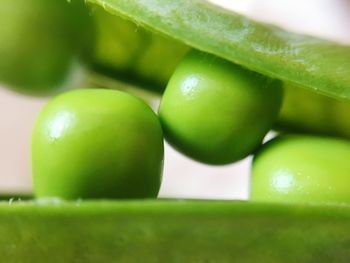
[(308, 112), (41, 43), (217, 112), (173, 231), (97, 143), (315, 64), (302, 169)]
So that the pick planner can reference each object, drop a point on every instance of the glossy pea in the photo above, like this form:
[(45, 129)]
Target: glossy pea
[(217, 112), (302, 169), (97, 143)]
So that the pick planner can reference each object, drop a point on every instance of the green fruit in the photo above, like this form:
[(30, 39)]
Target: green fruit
[(302, 169), (97, 144), (41, 42), (309, 112), (217, 112), (127, 52)]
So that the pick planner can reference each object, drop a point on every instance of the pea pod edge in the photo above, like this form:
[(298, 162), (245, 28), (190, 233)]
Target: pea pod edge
[(315, 64), (183, 231)]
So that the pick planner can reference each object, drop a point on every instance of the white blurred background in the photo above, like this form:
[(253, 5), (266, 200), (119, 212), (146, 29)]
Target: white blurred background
[(183, 178)]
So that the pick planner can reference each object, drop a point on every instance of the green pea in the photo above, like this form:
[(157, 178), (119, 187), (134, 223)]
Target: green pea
[(133, 54), (97, 144), (41, 43), (308, 112), (217, 112), (302, 169)]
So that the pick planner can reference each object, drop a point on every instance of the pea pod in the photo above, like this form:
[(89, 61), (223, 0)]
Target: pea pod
[(172, 231), (192, 231), (312, 63)]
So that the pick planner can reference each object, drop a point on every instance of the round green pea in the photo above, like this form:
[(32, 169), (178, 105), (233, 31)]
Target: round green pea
[(302, 169), (96, 143), (42, 43), (217, 112)]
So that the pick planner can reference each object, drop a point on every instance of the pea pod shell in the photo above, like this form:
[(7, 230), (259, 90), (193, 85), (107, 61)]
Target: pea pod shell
[(312, 63), (172, 231)]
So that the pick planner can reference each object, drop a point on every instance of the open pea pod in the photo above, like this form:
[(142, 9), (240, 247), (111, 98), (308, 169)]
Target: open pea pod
[(312, 63), (172, 231), (196, 231)]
